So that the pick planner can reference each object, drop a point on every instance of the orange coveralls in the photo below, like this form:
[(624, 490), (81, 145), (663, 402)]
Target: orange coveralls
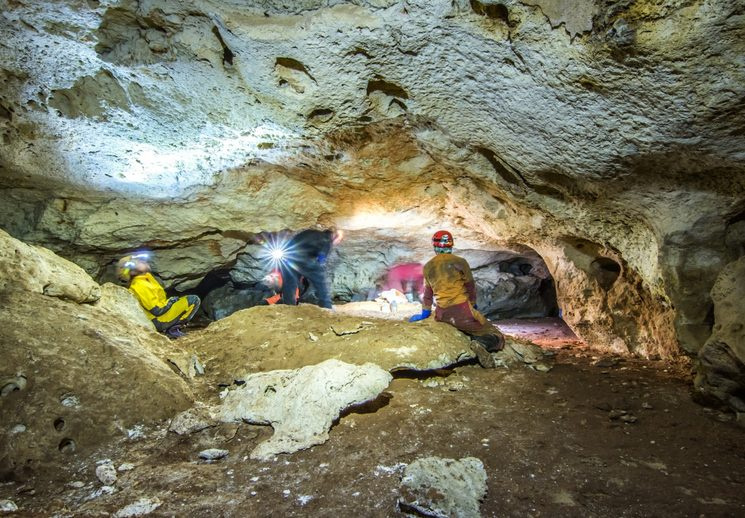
[(449, 279)]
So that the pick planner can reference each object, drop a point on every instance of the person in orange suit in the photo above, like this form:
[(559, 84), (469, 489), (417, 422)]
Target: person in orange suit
[(273, 281), (449, 281)]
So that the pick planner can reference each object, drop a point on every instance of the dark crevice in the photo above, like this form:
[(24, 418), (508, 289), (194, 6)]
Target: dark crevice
[(509, 175), (736, 218), (366, 407), (227, 54), (398, 103), (491, 11), (444, 372), (294, 64), (67, 446), (386, 87)]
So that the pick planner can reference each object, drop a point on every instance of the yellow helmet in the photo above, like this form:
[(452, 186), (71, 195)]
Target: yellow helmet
[(126, 264)]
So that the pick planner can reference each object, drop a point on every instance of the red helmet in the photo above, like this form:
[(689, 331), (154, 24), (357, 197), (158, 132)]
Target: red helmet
[(442, 239)]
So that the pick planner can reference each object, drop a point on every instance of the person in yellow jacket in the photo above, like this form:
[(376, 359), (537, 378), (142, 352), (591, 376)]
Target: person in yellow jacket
[(449, 280), (167, 314)]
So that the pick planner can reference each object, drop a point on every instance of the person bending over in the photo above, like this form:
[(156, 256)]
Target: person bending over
[(306, 257)]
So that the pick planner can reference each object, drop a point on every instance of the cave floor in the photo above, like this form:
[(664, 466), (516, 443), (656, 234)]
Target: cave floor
[(592, 437)]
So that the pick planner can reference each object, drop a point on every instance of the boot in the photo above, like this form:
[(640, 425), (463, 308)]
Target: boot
[(492, 343), (486, 360), (175, 332)]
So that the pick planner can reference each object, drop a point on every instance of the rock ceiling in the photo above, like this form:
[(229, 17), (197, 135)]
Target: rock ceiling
[(599, 133)]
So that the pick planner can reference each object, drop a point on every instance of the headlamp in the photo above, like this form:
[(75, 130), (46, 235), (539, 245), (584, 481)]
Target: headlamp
[(275, 252)]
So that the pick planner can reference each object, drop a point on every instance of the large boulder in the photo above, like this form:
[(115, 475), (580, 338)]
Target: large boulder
[(74, 375), (266, 338), (721, 361)]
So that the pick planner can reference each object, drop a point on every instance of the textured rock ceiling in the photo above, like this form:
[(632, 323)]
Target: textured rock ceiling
[(591, 131)]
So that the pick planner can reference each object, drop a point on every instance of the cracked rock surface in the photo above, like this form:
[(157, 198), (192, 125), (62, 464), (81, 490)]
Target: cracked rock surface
[(439, 487), (301, 405)]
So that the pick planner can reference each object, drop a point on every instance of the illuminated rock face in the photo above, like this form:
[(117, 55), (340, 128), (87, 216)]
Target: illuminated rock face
[(189, 126), (80, 363)]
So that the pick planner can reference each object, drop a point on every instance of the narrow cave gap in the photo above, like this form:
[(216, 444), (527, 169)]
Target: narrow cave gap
[(514, 285), (227, 54), (709, 319), (213, 280)]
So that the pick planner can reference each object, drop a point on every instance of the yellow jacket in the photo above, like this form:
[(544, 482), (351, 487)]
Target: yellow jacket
[(449, 278), (153, 298)]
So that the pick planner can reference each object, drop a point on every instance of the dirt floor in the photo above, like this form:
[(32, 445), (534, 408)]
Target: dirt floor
[(593, 437)]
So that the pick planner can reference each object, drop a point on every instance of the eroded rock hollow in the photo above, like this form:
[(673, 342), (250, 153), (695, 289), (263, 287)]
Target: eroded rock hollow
[(590, 159)]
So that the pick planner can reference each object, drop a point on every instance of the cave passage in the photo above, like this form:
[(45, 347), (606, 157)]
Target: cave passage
[(515, 288)]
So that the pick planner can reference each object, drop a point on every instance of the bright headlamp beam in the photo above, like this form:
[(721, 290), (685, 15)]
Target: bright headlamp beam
[(276, 252)]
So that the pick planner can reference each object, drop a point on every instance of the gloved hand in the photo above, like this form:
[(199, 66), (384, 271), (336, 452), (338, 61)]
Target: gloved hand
[(322, 258), (475, 306), (421, 316)]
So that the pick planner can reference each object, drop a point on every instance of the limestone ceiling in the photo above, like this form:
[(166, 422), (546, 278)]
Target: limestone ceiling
[(186, 124)]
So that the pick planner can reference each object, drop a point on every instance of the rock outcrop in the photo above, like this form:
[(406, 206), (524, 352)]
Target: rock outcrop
[(74, 375), (721, 371), (38, 270)]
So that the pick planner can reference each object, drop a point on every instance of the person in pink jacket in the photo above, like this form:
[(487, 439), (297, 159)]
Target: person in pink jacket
[(407, 278)]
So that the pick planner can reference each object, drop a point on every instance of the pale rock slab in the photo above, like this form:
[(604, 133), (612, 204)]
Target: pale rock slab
[(444, 488), (141, 507), (213, 454), (301, 404)]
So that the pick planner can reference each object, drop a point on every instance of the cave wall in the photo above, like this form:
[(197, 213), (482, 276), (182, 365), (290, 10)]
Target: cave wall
[(186, 126)]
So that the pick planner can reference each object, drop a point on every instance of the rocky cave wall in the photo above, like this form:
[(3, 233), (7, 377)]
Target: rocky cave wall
[(188, 126)]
